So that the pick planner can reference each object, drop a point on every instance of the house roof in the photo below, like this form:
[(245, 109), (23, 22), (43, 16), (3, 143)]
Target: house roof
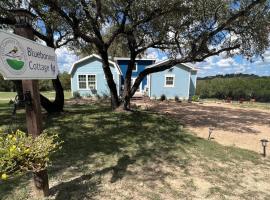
[(126, 58), (97, 57), (187, 65)]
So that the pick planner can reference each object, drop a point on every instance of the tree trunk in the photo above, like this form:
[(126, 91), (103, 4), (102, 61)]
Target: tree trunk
[(58, 104), (109, 77), (41, 184), (51, 107), (19, 89), (127, 84)]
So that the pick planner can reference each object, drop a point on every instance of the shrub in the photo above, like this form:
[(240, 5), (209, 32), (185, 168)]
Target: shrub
[(163, 97), (195, 98), (76, 95), (105, 96), (176, 98), (20, 153), (98, 97), (88, 95)]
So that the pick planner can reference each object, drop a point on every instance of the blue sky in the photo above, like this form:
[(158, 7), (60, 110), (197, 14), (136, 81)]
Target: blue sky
[(211, 66)]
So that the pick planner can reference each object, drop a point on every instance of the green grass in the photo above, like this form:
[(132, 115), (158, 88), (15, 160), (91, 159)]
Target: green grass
[(108, 155), (6, 96)]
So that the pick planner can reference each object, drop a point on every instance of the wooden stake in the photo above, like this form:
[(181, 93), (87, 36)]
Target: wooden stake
[(33, 113)]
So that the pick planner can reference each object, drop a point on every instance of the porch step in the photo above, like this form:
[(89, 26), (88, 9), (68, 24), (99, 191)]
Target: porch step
[(137, 98)]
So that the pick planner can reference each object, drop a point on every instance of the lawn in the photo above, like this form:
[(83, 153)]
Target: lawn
[(139, 155), (6, 96)]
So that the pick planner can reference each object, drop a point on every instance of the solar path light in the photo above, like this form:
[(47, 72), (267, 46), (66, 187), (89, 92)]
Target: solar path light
[(264, 144), (210, 132)]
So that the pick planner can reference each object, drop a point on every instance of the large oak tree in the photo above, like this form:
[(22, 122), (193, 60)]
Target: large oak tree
[(48, 28), (187, 31)]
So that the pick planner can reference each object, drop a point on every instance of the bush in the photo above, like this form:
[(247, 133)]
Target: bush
[(88, 95), (195, 98), (176, 98), (98, 97), (76, 95), (163, 97), (105, 96), (20, 153)]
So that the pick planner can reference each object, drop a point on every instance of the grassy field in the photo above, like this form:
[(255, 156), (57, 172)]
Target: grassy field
[(246, 104), (140, 155), (6, 96)]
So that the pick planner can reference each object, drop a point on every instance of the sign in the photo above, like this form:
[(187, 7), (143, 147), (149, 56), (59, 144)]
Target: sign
[(23, 59)]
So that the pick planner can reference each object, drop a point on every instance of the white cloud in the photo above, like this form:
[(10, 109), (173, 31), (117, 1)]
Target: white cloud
[(227, 62), (65, 58)]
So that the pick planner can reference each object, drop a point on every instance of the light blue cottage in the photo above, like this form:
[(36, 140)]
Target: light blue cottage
[(179, 80), (88, 79)]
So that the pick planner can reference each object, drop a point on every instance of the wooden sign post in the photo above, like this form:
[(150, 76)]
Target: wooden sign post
[(33, 113), (26, 61)]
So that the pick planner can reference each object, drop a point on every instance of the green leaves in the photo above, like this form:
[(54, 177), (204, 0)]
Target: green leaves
[(20, 153)]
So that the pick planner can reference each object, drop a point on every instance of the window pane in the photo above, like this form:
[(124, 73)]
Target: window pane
[(82, 81), (92, 81), (82, 85), (82, 77), (169, 80), (91, 77)]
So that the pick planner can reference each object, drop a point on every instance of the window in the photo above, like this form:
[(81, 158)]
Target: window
[(135, 67), (169, 80), (87, 81), (92, 82), (82, 81)]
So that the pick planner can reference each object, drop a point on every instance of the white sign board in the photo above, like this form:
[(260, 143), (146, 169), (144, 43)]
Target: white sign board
[(23, 59)]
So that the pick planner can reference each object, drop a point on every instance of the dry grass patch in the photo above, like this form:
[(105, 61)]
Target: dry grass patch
[(109, 155)]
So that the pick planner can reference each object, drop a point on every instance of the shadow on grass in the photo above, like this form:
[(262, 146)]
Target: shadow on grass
[(109, 142), (86, 186), (98, 142)]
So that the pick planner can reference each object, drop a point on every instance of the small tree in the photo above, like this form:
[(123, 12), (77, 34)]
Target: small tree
[(20, 153)]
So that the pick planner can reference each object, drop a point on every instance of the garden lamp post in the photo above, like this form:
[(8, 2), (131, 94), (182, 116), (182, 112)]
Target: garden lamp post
[(210, 132), (23, 27), (264, 144)]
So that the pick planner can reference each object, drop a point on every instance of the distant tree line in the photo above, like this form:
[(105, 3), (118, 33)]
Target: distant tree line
[(44, 85), (234, 86)]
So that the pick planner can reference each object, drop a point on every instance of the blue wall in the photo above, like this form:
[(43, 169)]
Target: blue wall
[(193, 80), (141, 66), (92, 66), (181, 84)]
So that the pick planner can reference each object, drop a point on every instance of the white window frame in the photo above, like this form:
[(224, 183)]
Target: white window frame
[(87, 82), (92, 81), (136, 66), (169, 75), (78, 82)]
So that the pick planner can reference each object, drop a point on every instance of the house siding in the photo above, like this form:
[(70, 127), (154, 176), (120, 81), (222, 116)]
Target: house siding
[(141, 65), (92, 66), (181, 83)]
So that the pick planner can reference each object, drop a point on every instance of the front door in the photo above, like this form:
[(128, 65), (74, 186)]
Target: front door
[(132, 82)]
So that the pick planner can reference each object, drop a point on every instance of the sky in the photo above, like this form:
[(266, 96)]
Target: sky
[(210, 67)]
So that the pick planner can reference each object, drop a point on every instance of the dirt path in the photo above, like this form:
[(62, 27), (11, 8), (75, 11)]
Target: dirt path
[(242, 127)]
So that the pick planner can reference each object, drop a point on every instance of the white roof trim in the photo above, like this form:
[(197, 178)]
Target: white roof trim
[(98, 57), (125, 58), (188, 65)]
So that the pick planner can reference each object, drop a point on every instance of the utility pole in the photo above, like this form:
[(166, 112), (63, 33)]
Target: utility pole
[(23, 28)]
